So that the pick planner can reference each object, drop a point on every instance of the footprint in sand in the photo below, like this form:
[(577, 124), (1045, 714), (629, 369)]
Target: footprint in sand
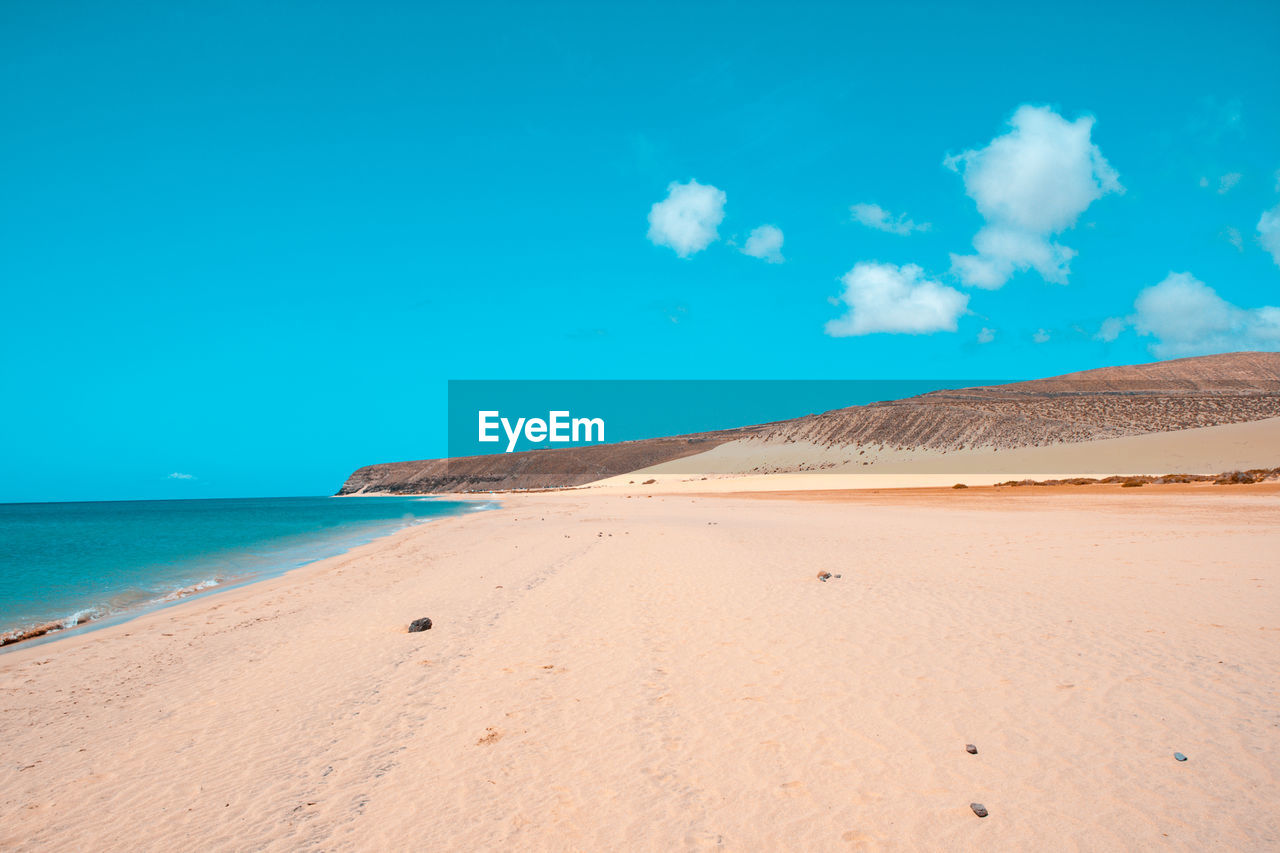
[(859, 838)]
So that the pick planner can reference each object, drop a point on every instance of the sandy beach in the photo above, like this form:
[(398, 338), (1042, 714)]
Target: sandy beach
[(616, 671)]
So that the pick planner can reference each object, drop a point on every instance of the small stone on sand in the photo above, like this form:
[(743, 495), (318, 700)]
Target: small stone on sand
[(417, 625), (1179, 756), (979, 809), (971, 749)]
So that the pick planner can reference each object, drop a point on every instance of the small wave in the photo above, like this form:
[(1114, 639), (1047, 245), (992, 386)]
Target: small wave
[(185, 591), (30, 632), (80, 617), (121, 604)]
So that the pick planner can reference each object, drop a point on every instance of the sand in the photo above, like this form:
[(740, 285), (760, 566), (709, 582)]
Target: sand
[(666, 673), (1203, 450)]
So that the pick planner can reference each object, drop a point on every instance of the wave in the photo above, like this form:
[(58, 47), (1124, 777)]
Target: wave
[(125, 603)]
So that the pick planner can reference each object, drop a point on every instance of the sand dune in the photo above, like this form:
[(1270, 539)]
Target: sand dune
[(1208, 450), (666, 673)]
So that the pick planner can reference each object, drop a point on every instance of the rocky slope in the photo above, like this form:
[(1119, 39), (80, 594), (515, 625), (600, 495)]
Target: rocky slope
[(1094, 404), (529, 469)]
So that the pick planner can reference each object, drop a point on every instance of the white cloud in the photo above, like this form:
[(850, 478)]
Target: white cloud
[(1187, 317), (1030, 184), (180, 476), (686, 220), (1234, 237), (888, 298), (986, 336), (1041, 336), (1269, 232), (765, 242), (1227, 181), (875, 216), (1111, 329)]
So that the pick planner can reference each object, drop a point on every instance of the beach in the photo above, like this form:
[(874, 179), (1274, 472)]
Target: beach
[(653, 667)]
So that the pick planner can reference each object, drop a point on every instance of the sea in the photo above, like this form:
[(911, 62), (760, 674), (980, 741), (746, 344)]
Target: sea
[(77, 565)]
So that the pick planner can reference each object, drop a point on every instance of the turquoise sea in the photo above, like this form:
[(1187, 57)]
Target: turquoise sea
[(88, 563)]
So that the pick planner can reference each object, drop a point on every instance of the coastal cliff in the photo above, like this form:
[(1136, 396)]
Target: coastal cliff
[(529, 469)]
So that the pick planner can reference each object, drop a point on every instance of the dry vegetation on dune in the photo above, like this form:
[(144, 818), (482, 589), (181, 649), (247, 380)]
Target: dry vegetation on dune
[(1228, 478), (1097, 404), (965, 420)]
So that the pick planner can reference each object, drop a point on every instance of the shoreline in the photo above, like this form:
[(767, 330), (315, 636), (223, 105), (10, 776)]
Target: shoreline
[(95, 617), (126, 624), (767, 487)]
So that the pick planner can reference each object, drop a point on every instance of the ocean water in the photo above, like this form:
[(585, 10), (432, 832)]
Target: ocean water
[(83, 563)]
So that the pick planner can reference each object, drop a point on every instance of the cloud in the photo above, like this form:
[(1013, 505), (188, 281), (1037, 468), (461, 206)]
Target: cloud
[(1111, 329), (986, 336), (686, 220), (1187, 317), (875, 216), (765, 242), (180, 476), (1227, 181), (1234, 237), (1030, 184), (888, 298), (672, 312), (1269, 232), (1040, 337)]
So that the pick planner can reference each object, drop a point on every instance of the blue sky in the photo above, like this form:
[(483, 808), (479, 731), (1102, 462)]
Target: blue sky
[(250, 242)]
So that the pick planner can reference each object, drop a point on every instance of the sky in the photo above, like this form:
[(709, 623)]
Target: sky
[(244, 246)]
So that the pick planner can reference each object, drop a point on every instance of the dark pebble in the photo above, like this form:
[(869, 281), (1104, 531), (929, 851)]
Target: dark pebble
[(971, 749), (979, 809), (423, 624), (1179, 756)]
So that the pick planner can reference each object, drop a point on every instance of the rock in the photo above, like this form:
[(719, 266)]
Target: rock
[(423, 624), (822, 576), (839, 576), (971, 749), (979, 809), (1179, 756)]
